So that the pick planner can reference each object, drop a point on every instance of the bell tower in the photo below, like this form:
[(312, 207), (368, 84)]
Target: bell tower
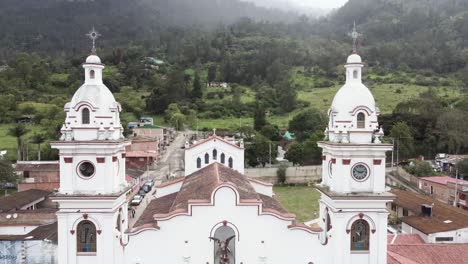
[(92, 201), (353, 193)]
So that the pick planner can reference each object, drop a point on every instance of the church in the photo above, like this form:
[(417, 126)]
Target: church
[(215, 214)]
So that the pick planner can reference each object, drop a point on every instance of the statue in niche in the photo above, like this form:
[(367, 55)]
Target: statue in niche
[(223, 254)]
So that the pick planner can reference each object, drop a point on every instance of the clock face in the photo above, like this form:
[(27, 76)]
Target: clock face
[(86, 169), (360, 172)]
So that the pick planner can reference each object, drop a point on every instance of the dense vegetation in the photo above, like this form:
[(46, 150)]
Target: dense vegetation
[(282, 69)]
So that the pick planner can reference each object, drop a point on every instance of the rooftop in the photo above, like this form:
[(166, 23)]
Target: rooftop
[(37, 166), (443, 180), (43, 232), (20, 199), (200, 185), (213, 137), (441, 212)]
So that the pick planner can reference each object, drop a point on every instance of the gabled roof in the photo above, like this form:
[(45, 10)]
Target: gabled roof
[(441, 212), (213, 137), (18, 200), (200, 185), (443, 180)]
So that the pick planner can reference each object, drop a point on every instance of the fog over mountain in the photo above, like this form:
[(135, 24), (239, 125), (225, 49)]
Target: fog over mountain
[(310, 7)]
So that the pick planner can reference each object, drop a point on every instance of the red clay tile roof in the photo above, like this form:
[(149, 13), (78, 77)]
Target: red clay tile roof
[(405, 239), (31, 166), (440, 213), (200, 185), (43, 232), (29, 217), (161, 205), (20, 199), (428, 254), (443, 180)]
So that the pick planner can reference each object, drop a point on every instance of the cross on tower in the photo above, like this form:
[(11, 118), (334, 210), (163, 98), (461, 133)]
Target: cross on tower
[(355, 35), (93, 35)]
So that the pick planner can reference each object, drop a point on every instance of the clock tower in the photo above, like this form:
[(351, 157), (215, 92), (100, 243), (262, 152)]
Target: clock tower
[(92, 214), (353, 200)]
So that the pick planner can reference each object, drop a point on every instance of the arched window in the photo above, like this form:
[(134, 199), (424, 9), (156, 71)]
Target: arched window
[(328, 221), (225, 237), (230, 162), (361, 120), (118, 224), (360, 235), (85, 116), (198, 163), (223, 158), (215, 154), (86, 237), (91, 74), (355, 74), (207, 158)]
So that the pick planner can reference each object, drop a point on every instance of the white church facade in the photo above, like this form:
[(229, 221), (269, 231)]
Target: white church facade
[(216, 214)]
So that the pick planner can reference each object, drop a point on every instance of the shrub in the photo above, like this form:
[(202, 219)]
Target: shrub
[(281, 173)]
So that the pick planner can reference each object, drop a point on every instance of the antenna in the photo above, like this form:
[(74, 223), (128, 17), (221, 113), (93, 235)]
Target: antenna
[(93, 35)]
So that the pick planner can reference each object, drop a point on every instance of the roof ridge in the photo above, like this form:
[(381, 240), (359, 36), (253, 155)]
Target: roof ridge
[(217, 172)]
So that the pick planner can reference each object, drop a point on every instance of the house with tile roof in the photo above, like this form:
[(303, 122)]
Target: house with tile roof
[(434, 221)]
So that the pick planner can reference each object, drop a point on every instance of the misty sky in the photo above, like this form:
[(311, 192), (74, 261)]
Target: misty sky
[(319, 3), (288, 4)]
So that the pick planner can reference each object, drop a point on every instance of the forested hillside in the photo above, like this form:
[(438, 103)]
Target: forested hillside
[(282, 70)]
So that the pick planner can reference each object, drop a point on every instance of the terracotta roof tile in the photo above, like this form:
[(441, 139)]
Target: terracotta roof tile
[(440, 213), (20, 199), (429, 253), (200, 185), (29, 217), (43, 232), (54, 166), (161, 205), (405, 239)]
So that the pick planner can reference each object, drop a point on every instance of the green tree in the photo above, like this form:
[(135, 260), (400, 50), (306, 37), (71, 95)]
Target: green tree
[(212, 73), (307, 122), (462, 167), (287, 95), (197, 87), (295, 153), (403, 136), (38, 139), (18, 131), (452, 126), (260, 150), (420, 168), (259, 117), (312, 152), (7, 173)]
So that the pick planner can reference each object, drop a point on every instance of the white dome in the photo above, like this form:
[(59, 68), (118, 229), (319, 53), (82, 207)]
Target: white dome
[(351, 96), (93, 59), (354, 58), (98, 95)]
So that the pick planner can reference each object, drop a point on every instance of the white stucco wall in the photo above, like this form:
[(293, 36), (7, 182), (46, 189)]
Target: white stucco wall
[(281, 245), (199, 151)]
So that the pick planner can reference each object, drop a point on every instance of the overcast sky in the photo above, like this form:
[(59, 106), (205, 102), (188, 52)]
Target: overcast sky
[(301, 5)]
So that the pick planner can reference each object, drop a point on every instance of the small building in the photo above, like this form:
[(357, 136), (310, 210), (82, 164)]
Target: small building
[(41, 175), (25, 200), (448, 162), (164, 134), (442, 188), (213, 149), (142, 153), (434, 221)]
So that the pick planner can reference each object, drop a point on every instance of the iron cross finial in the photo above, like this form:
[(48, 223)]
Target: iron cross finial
[(355, 35), (93, 35)]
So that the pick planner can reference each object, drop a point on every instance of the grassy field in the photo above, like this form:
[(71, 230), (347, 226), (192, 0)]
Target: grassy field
[(8, 142), (301, 201)]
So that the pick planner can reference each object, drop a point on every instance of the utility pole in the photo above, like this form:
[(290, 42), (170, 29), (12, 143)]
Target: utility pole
[(269, 151), (393, 151), (456, 189)]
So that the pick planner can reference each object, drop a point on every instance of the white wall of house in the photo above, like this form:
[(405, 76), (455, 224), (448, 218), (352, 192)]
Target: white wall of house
[(199, 151)]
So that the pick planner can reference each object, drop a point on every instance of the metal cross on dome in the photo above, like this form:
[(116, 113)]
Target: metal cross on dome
[(93, 35), (355, 35)]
